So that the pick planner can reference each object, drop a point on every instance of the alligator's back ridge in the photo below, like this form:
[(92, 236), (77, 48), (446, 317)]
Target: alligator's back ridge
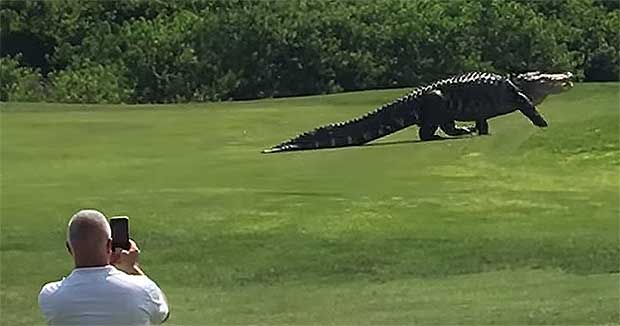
[(383, 121)]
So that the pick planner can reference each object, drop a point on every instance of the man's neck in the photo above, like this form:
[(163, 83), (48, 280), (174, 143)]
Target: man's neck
[(85, 259), (87, 265)]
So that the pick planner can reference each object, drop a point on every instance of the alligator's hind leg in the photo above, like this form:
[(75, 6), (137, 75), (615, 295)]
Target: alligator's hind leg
[(427, 132), (483, 127), (451, 129), (433, 106)]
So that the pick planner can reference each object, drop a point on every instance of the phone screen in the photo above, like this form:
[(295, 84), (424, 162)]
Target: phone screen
[(120, 232)]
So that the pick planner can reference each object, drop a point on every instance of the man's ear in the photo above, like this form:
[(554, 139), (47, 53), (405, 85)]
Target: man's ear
[(68, 248), (108, 246)]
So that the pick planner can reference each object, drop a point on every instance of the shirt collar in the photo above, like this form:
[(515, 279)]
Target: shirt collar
[(93, 269)]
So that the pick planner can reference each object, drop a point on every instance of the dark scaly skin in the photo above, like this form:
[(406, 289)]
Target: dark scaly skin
[(474, 97)]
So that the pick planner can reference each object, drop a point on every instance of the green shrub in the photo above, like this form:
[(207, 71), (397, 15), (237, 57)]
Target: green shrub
[(603, 65), (199, 50), (91, 83), (18, 83), (163, 62)]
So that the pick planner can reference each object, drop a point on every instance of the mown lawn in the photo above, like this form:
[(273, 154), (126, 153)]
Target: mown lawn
[(519, 227)]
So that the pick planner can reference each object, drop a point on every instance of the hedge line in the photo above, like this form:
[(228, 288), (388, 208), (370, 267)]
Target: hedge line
[(166, 51)]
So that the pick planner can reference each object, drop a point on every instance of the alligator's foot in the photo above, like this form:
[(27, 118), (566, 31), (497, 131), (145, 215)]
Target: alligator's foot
[(463, 131), (451, 129), (470, 130)]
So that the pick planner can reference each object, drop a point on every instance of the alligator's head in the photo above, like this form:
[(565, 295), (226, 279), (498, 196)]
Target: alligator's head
[(537, 85)]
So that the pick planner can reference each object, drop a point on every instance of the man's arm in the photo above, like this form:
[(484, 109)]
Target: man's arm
[(46, 303), (127, 261), (159, 310)]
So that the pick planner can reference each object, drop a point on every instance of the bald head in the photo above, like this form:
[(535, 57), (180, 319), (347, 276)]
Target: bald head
[(89, 237)]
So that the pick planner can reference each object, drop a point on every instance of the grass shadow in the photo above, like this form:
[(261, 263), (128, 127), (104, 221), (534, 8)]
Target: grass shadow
[(412, 141), (386, 143)]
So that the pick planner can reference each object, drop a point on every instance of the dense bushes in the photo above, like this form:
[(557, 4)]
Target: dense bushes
[(19, 83), (90, 83), (160, 51)]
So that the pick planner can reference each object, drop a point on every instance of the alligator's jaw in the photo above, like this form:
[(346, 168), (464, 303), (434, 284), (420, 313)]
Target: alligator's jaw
[(537, 86)]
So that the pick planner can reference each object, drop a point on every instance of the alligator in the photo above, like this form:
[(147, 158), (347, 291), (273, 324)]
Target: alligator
[(474, 97)]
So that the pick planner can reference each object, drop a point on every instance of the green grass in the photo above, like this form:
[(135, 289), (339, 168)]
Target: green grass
[(519, 227)]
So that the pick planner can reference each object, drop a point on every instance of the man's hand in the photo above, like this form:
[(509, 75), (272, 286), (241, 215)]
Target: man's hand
[(127, 260)]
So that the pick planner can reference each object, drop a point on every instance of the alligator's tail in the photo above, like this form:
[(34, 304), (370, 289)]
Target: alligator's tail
[(381, 122)]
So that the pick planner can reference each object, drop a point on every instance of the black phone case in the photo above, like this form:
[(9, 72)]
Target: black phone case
[(120, 233)]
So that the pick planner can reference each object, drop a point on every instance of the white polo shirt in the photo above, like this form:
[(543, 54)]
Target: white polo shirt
[(103, 296)]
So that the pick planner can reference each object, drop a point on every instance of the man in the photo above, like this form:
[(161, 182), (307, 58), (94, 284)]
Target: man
[(105, 287)]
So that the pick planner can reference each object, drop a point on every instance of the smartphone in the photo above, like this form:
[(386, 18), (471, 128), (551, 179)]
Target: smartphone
[(120, 232)]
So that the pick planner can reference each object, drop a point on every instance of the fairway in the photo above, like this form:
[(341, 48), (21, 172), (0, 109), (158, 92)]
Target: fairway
[(518, 227)]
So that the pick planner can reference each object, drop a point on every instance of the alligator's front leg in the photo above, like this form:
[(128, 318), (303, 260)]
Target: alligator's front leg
[(529, 110), (483, 127)]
